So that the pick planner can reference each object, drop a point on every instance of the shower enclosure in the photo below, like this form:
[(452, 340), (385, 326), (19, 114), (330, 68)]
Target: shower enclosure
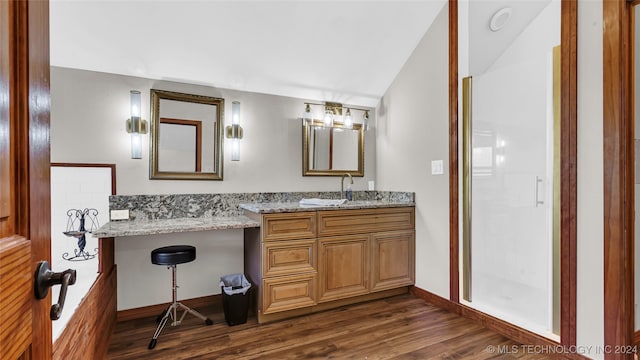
[(510, 128)]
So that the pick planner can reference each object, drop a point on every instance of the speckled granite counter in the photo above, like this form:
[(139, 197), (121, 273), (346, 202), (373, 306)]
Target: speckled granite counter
[(168, 226), (166, 214), (178, 206), (279, 207)]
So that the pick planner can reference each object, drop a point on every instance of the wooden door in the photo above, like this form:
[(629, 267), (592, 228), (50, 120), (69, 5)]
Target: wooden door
[(25, 328)]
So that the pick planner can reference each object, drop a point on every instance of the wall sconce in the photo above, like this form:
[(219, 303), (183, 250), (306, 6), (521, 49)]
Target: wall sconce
[(234, 131), (136, 125), (333, 113)]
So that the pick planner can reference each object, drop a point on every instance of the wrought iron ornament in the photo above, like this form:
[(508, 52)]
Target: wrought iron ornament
[(78, 227)]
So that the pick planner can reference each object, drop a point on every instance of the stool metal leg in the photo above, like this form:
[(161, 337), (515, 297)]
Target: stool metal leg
[(172, 312)]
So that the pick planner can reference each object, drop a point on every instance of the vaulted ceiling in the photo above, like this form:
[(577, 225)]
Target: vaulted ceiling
[(345, 51)]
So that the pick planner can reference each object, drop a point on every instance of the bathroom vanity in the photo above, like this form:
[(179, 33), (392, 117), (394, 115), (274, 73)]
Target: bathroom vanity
[(304, 259), (300, 259)]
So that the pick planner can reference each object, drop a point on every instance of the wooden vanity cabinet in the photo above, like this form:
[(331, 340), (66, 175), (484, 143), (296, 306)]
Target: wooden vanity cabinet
[(375, 251), (285, 249), (309, 261)]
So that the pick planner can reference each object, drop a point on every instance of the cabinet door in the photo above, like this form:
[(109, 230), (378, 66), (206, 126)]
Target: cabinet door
[(393, 259), (343, 267)]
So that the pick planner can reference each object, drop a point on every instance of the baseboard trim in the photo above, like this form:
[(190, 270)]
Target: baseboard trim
[(155, 310), (502, 327)]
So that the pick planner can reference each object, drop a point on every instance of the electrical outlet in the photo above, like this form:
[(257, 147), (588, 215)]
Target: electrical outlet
[(119, 214)]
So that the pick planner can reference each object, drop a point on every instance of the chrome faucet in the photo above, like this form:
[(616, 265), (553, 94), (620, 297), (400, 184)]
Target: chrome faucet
[(342, 184)]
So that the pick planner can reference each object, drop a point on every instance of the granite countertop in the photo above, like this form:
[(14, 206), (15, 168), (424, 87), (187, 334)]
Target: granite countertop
[(280, 207), (167, 226)]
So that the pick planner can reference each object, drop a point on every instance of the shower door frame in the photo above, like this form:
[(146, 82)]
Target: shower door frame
[(568, 181)]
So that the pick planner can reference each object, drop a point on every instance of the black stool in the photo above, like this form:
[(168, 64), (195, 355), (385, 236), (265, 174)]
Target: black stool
[(171, 256)]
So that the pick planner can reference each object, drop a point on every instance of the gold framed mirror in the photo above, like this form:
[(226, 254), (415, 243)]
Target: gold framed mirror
[(186, 136), (332, 151)]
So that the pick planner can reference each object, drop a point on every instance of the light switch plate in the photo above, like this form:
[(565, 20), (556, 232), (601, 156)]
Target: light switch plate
[(437, 167), (119, 214)]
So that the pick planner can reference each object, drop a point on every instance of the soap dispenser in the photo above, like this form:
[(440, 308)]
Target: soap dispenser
[(349, 194)]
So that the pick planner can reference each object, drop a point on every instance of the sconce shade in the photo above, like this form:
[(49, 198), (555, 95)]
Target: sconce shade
[(136, 103), (365, 121), (234, 131), (235, 113), (136, 146), (135, 124), (235, 150), (307, 117)]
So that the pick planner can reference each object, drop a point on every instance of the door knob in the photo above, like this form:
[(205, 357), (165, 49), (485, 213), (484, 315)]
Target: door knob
[(45, 278)]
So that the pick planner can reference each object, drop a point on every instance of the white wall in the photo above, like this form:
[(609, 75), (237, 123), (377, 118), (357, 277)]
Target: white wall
[(76, 188), (141, 283), (590, 241), (413, 130), (88, 114)]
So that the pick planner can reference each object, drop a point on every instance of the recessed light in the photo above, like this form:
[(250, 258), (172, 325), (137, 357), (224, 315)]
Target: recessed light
[(500, 19)]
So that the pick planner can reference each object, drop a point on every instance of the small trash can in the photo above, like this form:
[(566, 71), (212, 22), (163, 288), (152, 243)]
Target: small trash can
[(235, 298)]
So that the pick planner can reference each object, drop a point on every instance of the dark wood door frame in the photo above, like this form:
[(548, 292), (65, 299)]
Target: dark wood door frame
[(618, 176), (28, 98), (568, 162)]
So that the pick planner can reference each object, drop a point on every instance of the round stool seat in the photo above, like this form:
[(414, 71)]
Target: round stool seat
[(172, 255)]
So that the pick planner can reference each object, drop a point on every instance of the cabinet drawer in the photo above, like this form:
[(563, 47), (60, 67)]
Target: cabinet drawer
[(340, 222), (286, 257), (288, 293), (289, 226)]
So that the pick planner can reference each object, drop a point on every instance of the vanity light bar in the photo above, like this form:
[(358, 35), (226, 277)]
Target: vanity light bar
[(331, 110)]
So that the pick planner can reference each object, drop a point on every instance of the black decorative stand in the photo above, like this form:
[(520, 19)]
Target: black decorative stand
[(77, 228)]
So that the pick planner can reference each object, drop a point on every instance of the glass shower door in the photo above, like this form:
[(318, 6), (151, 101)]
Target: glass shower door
[(510, 132)]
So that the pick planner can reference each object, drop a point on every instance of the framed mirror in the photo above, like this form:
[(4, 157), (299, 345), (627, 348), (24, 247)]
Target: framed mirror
[(186, 136), (332, 151)]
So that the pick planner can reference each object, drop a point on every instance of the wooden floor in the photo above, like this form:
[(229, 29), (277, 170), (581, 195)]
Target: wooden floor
[(402, 327)]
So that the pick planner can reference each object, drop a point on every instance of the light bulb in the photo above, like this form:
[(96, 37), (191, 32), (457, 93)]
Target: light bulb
[(328, 118), (348, 120)]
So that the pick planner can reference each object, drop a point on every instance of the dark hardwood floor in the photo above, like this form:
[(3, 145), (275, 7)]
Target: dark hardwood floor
[(402, 327)]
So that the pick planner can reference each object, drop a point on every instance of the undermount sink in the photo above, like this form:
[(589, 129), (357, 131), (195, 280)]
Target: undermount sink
[(322, 202)]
